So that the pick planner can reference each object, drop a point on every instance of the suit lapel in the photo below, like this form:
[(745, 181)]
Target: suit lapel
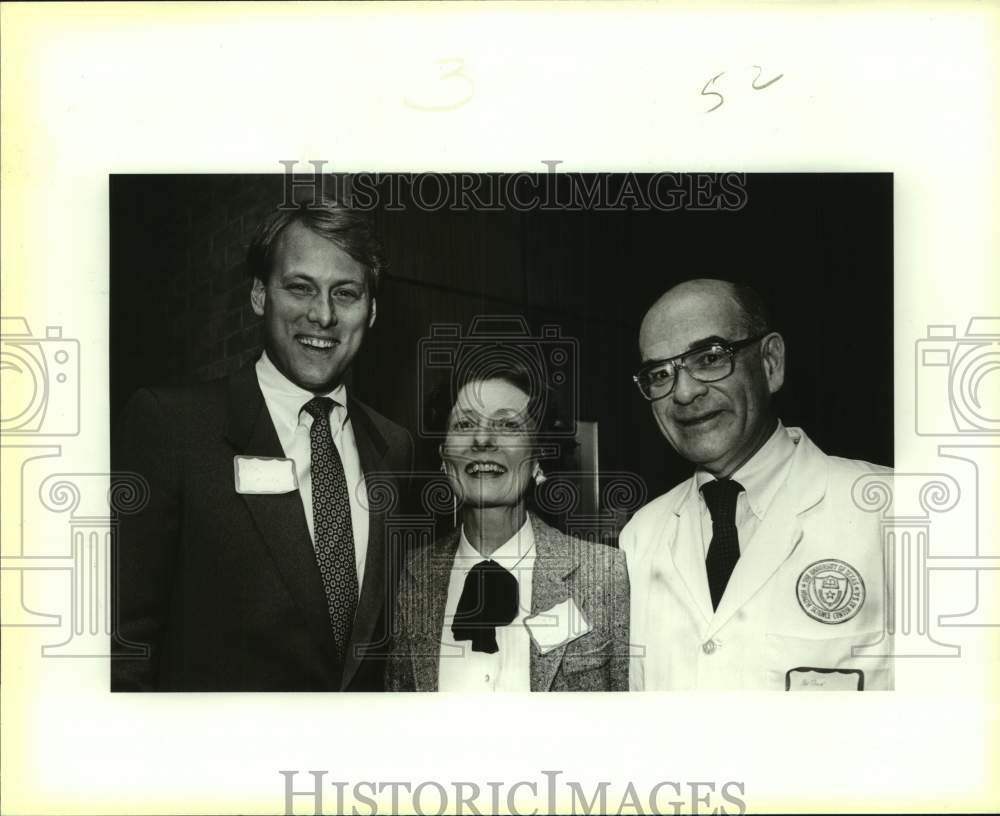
[(555, 562), (372, 598), (280, 518), (778, 534)]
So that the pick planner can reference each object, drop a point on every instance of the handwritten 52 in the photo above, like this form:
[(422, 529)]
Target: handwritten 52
[(755, 83)]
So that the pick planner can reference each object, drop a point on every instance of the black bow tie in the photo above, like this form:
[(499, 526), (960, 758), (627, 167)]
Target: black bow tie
[(489, 599)]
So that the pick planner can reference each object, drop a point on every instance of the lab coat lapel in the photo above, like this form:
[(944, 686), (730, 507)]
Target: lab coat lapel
[(779, 532), (689, 559)]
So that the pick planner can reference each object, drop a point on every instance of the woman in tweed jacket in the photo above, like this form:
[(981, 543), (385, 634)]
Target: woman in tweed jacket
[(505, 602)]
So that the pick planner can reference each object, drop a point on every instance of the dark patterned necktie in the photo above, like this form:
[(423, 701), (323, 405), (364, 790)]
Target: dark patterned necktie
[(721, 496), (332, 531)]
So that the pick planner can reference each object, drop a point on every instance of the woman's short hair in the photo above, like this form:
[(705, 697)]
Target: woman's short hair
[(351, 230), (550, 427)]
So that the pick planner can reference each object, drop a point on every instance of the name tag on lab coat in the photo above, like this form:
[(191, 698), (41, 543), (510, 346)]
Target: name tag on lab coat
[(806, 678)]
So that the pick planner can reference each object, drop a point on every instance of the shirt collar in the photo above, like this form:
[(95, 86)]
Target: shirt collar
[(516, 551), (287, 398), (760, 474)]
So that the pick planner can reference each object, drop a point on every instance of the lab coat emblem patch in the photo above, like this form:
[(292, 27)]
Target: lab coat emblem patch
[(830, 591)]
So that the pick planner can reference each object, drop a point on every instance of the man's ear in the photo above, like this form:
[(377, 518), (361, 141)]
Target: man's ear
[(258, 295), (371, 317), (773, 357)]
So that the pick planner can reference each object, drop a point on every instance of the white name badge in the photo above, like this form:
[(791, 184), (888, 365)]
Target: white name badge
[(260, 474), (810, 679), (561, 624)]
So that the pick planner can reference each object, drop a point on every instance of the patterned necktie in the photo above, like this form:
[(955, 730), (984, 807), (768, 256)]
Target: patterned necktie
[(332, 530), (721, 496)]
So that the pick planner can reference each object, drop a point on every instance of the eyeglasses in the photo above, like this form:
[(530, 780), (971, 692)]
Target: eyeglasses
[(707, 364)]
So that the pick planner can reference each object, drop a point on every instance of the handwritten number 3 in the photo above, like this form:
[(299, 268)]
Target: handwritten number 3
[(457, 72)]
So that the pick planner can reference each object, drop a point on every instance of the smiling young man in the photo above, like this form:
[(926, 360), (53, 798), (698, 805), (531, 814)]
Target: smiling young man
[(758, 572), (259, 563)]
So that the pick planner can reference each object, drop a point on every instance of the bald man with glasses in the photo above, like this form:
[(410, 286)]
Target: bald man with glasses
[(758, 572)]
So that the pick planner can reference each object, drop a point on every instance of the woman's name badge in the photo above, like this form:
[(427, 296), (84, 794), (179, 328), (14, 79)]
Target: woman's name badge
[(561, 624), (264, 475)]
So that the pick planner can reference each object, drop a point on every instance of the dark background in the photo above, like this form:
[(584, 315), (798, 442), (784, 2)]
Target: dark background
[(818, 247)]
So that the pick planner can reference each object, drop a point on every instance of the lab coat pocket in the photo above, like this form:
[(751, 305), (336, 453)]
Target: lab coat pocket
[(825, 664)]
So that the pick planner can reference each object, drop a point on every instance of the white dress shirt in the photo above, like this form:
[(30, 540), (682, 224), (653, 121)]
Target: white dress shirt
[(509, 668), (761, 477), (284, 402)]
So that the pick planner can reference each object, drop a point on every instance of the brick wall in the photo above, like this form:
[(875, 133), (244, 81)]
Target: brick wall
[(198, 292)]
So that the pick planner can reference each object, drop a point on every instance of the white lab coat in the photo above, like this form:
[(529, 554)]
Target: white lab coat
[(760, 637)]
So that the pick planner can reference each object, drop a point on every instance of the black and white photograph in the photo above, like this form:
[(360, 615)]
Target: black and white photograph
[(501, 478), (498, 408)]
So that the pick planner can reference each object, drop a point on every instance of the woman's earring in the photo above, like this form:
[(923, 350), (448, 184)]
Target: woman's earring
[(539, 475)]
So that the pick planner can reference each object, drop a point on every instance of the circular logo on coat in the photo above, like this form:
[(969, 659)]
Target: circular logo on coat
[(830, 591)]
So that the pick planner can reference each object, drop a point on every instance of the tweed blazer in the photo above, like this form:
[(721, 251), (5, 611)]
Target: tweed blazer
[(592, 575)]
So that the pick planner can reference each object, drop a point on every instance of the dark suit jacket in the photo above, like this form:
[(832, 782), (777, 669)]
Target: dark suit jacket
[(593, 575), (224, 587)]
